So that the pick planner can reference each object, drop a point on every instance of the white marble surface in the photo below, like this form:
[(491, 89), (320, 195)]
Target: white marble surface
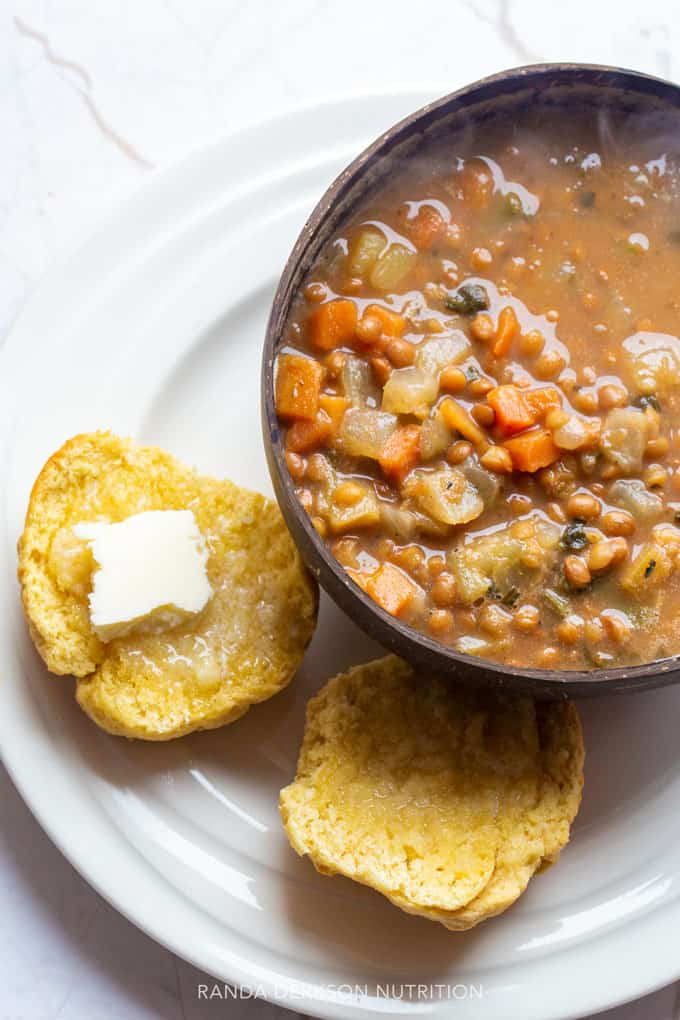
[(93, 97)]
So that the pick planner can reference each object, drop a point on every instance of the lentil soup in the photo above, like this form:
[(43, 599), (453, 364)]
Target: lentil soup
[(479, 391)]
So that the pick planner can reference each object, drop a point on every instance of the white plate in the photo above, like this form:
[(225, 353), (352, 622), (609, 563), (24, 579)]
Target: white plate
[(154, 329)]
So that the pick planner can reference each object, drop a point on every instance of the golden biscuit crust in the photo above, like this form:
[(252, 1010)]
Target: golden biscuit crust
[(242, 649), (534, 825), (444, 799)]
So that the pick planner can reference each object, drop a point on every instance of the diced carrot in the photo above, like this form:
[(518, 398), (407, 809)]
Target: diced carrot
[(458, 419), (334, 407), (332, 324), (425, 227), (507, 331), (390, 588), (393, 324), (513, 412), (542, 400), (532, 450), (305, 436), (298, 385), (400, 453)]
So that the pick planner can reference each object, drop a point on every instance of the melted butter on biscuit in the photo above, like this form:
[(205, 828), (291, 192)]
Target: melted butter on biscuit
[(149, 572), (242, 648)]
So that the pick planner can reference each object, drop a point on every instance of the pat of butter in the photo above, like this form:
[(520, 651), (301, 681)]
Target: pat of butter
[(150, 572)]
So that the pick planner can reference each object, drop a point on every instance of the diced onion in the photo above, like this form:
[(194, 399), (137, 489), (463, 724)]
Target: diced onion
[(577, 433), (488, 484), (365, 250), (405, 524), (632, 495), (402, 524), (654, 360), (357, 382), (471, 645), (624, 438), (435, 436)]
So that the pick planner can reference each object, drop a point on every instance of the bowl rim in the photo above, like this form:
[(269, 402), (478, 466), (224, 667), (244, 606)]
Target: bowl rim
[(397, 636)]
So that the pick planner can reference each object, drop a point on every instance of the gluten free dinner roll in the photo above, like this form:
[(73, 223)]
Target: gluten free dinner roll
[(445, 799), (242, 648)]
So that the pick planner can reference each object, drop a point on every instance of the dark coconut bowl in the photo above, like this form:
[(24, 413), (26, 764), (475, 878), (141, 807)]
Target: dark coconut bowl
[(559, 89)]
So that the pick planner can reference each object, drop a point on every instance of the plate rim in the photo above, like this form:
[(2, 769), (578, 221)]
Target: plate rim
[(192, 162)]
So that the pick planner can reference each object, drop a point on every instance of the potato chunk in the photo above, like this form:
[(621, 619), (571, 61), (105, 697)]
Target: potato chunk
[(409, 390), (392, 266), (362, 514), (445, 495), (496, 561), (650, 568), (364, 432)]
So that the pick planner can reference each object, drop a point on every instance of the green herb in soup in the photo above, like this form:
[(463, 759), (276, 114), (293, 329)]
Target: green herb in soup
[(480, 395)]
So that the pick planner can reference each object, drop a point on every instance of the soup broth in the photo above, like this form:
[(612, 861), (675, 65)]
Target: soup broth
[(480, 393)]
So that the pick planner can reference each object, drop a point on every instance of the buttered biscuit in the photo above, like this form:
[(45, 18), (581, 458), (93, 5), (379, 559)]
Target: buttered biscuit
[(242, 648), (444, 799)]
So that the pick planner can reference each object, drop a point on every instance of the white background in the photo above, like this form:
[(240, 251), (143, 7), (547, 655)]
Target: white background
[(94, 96)]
